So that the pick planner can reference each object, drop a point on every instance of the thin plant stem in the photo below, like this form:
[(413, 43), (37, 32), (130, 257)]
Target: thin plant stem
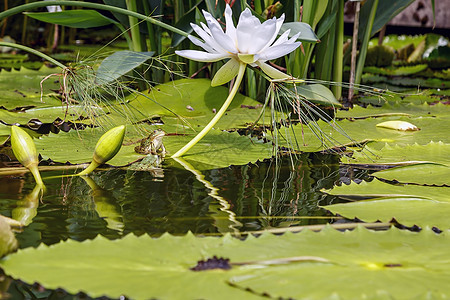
[(35, 52), (365, 43), (134, 26), (339, 52), (353, 53), (219, 114)]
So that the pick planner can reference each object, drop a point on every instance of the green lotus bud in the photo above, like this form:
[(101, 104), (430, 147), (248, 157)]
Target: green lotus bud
[(107, 147), (25, 151)]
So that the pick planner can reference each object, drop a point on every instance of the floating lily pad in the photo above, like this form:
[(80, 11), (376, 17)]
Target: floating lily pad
[(22, 88), (396, 71), (196, 102), (425, 173), (369, 79), (438, 153), (217, 149), (408, 204), (396, 109), (398, 264)]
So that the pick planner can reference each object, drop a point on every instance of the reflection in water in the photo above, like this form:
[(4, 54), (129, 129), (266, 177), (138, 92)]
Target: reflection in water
[(26, 208), (116, 202)]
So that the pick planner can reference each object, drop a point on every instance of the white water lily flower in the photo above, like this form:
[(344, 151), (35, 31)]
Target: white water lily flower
[(250, 42)]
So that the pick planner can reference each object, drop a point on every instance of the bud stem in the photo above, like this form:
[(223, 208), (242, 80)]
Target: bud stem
[(37, 176)]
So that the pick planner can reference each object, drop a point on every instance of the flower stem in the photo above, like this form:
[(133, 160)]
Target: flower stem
[(219, 114), (35, 52)]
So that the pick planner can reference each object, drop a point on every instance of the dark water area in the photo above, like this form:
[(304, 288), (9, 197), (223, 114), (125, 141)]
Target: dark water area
[(115, 202)]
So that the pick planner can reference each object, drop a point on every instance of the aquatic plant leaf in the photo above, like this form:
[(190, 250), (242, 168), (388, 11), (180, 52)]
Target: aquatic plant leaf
[(385, 12), (217, 150), (408, 204), (396, 109), (397, 264), (317, 93), (369, 79), (119, 64), (399, 41), (425, 174), (77, 18), (438, 153), (20, 89), (196, 101), (50, 114), (396, 71), (307, 33)]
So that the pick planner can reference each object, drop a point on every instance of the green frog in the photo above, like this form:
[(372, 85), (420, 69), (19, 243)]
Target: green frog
[(152, 144)]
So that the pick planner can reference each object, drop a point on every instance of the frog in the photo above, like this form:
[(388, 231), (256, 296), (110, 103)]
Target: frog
[(153, 144)]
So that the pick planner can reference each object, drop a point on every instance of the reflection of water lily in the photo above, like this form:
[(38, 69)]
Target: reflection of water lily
[(250, 42)]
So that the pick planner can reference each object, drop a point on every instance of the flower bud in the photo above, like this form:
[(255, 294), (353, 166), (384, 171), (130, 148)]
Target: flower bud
[(25, 152), (107, 147)]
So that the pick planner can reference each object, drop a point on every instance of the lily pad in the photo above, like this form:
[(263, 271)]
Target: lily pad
[(196, 102), (396, 71), (218, 149), (398, 264), (426, 174), (21, 89), (432, 152), (408, 204)]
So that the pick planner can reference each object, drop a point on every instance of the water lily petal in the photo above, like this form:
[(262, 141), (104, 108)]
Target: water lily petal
[(293, 38), (206, 36), (227, 72), (230, 29), (201, 55), (278, 24), (271, 71), (205, 28), (245, 31), (283, 38), (263, 36), (199, 43), (219, 36), (274, 52)]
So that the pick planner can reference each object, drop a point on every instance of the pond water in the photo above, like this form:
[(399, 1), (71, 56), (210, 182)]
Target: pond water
[(117, 202)]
